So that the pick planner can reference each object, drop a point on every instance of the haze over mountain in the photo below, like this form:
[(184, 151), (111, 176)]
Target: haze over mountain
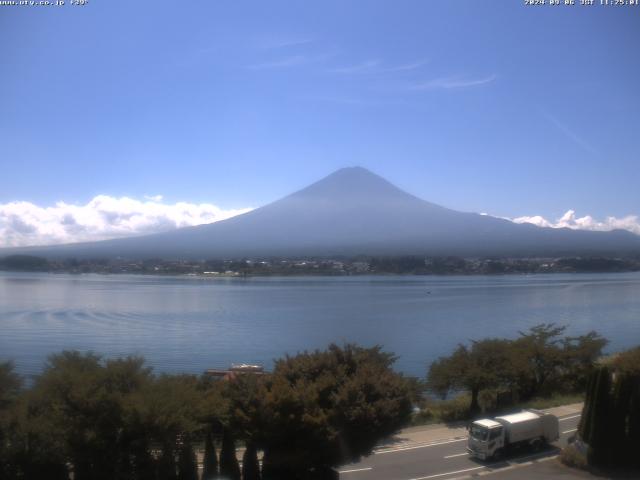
[(351, 212)]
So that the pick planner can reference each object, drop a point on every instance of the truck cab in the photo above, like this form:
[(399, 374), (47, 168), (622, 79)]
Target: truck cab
[(486, 439)]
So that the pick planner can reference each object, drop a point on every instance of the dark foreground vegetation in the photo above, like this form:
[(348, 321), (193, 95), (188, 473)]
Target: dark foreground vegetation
[(114, 419), (89, 418), (360, 265), (609, 432)]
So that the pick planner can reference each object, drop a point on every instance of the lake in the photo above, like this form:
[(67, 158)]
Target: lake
[(189, 324)]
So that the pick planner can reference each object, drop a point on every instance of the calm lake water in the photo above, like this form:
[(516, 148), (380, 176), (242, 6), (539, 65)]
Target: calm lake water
[(185, 324)]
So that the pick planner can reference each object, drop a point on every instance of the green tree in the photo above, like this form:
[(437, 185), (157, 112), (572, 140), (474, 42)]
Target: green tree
[(627, 362), (210, 462), (243, 415), (168, 407), (541, 355), (110, 414), (250, 464), (143, 463), (485, 364), (187, 463), (87, 413), (598, 420), (627, 368), (32, 446), (10, 385), (610, 422), (229, 467), (27, 263), (166, 468), (323, 409), (107, 419), (540, 361), (579, 357)]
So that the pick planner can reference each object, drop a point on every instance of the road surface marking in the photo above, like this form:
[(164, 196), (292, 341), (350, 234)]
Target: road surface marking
[(457, 455), (447, 473), (521, 460), (401, 449), (511, 466), (569, 431), (568, 418), (355, 470)]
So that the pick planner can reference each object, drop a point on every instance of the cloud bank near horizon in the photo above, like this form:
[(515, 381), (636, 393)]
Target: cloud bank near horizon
[(572, 221), (104, 217)]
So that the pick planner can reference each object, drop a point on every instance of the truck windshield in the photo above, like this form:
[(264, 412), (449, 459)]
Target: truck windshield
[(478, 433)]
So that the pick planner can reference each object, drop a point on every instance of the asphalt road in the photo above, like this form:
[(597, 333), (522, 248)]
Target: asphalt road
[(446, 459)]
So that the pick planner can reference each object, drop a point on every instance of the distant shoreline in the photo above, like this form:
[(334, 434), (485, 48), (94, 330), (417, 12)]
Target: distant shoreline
[(319, 266), (313, 275)]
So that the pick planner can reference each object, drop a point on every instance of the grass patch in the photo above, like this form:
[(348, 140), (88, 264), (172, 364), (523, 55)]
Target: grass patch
[(553, 401), (444, 411)]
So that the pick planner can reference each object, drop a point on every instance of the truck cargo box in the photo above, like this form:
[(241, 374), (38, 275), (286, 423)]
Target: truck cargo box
[(529, 424)]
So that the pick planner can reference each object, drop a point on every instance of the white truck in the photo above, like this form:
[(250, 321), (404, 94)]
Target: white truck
[(493, 438)]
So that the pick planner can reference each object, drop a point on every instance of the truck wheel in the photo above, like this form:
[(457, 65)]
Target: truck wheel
[(537, 445)]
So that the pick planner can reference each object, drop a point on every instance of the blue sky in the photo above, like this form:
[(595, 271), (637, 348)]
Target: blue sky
[(476, 105)]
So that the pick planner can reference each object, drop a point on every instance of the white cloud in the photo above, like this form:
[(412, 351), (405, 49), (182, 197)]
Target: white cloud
[(454, 82), (292, 61), (582, 143), (376, 66), (24, 223), (570, 220), (363, 67), (275, 43), (407, 66)]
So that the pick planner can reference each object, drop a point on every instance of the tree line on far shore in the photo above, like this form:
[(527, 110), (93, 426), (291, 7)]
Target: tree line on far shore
[(358, 265)]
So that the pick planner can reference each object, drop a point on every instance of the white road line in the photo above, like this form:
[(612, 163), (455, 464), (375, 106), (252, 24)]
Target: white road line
[(457, 455), (355, 470), (522, 460), (568, 418), (511, 466), (402, 449), (569, 431), (447, 473)]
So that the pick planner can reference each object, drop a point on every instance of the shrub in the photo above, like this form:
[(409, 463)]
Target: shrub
[(572, 457)]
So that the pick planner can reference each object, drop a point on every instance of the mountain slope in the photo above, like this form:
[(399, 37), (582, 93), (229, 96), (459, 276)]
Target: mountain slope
[(350, 212)]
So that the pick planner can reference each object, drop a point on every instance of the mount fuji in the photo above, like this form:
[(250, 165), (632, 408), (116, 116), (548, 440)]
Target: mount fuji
[(351, 212)]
